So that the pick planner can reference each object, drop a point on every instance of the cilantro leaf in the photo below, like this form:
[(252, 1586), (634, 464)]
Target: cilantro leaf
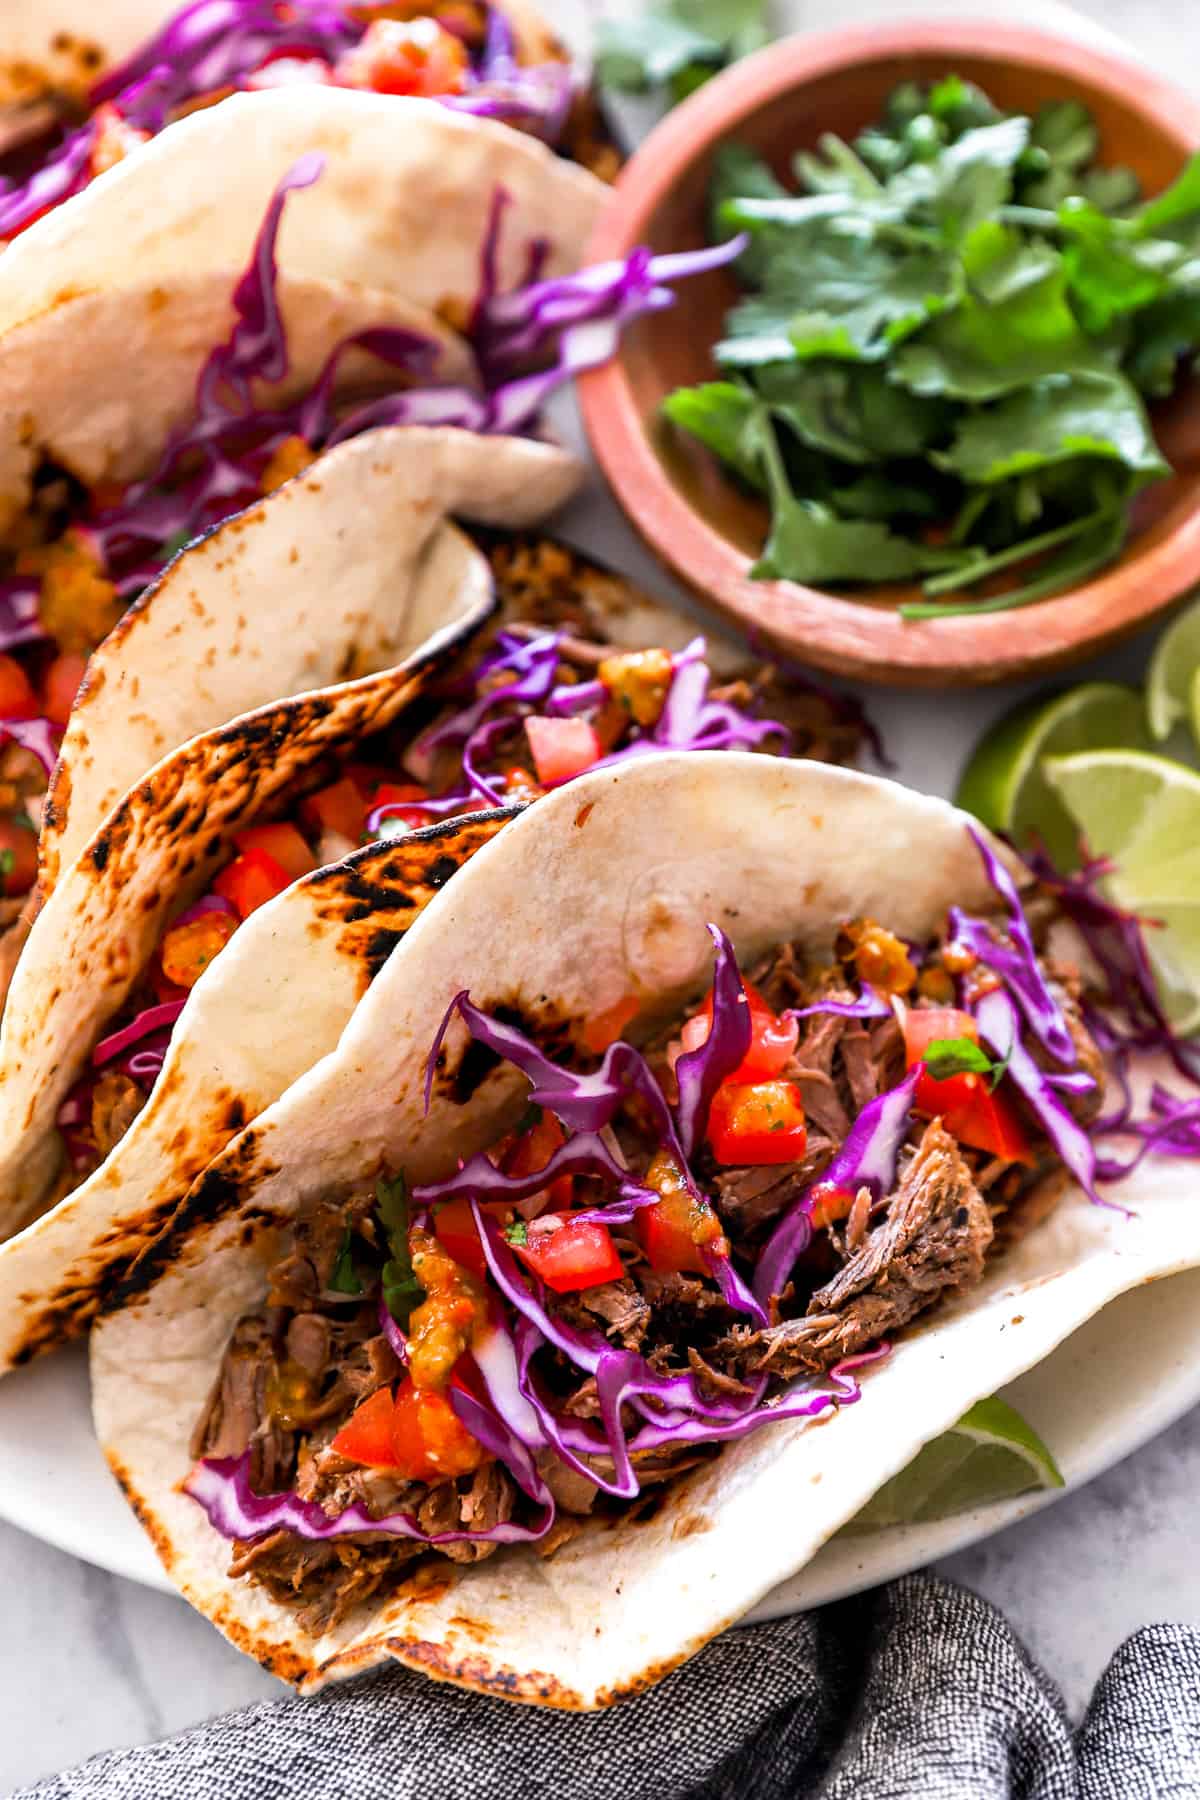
[(8, 862), (945, 1057), (1089, 414), (401, 1289), (724, 416), (678, 43), (344, 1277), (1013, 325), (851, 411), (517, 1232), (809, 542)]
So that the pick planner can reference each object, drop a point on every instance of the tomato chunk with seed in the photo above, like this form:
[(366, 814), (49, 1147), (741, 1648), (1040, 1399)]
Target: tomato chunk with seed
[(188, 949), (570, 1254), (17, 698), (18, 856), (60, 686), (772, 1037), (429, 1440), (681, 1229), (415, 57), (250, 881), (339, 808), (290, 67), (402, 799), (757, 1122), (282, 843), (531, 1151), (454, 1229), (561, 748), (965, 1103), (366, 1437)]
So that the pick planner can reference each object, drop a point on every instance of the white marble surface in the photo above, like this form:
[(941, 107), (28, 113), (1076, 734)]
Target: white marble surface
[(89, 1661)]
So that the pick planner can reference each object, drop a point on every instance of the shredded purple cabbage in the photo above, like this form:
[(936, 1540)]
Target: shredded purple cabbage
[(20, 621), (700, 1072), (866, 1159), (38, 736), (1016, 962), (221, 1487), (868, 1005)]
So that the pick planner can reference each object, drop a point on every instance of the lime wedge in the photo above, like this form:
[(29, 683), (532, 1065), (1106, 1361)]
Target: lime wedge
[(1169, 677), (1143, 813), (1003, 783), (991, 1454)]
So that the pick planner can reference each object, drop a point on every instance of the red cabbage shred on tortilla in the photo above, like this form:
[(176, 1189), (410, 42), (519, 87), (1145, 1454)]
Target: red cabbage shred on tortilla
[(675, 1246), (77, 558), (462, 53)]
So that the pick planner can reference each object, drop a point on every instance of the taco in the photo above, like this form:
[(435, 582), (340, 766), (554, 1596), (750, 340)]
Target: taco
[(534, 1363), (143, 406), (78, 95), (576, 669)]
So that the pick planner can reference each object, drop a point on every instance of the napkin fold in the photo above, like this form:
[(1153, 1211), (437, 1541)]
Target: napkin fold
[(919, 1691)]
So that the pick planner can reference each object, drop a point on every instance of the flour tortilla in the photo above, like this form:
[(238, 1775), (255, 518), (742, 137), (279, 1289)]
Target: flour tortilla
[(601, 890), (302, 589), (109, 306)]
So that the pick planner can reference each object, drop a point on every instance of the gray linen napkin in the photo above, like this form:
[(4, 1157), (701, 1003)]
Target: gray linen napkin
[(917, 1692)]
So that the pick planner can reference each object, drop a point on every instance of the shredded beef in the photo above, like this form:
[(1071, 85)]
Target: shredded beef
[(329, 1578), (617, 1306), (749, 1199), (932, 1240)]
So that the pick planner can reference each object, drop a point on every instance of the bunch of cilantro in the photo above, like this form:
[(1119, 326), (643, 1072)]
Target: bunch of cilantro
[(940, 366)]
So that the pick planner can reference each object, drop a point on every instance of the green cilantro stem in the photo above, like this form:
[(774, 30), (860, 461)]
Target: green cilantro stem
[(1003, 559), (1039, 589)]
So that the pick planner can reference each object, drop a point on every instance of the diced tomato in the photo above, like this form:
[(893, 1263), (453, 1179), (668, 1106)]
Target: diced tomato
[(290, 67), (757, 1122), (282, 843), (677, 1230), (188, 949), (415, 1433), (113, 138), (366, 1437), (401, 798), (406, 57), (251, 880), (17, 698), (604, 1028), (829, 1203), (60, 686), (520, 785), (772, 1038), (429, 1440), (561, 748), (18, 856), (526, 1154), (923, 1025), (454, 1229), (569, 1254), (339, 808), (970, 1111)]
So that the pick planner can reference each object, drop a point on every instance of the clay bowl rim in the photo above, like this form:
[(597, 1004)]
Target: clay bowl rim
[(842, 634)]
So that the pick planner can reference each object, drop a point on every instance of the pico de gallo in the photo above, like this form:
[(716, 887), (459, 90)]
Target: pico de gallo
[(672, 1247), (491, 738), (56, 139), (77, 558)]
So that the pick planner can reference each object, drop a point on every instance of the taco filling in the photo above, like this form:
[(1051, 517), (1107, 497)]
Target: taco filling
[(675, 1245), (543, 697), (464, 53), (78, 557)]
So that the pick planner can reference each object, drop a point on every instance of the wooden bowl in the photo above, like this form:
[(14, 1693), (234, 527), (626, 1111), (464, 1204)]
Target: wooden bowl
[(677, 494)]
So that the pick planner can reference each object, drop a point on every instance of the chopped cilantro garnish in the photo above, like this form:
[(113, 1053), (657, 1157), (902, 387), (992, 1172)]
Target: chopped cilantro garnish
[(517, 1232), (401, 1289), (345, 1277), (961, 1056)]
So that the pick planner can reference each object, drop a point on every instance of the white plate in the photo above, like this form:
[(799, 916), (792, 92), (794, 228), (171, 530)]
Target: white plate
[(1125, 1376)]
